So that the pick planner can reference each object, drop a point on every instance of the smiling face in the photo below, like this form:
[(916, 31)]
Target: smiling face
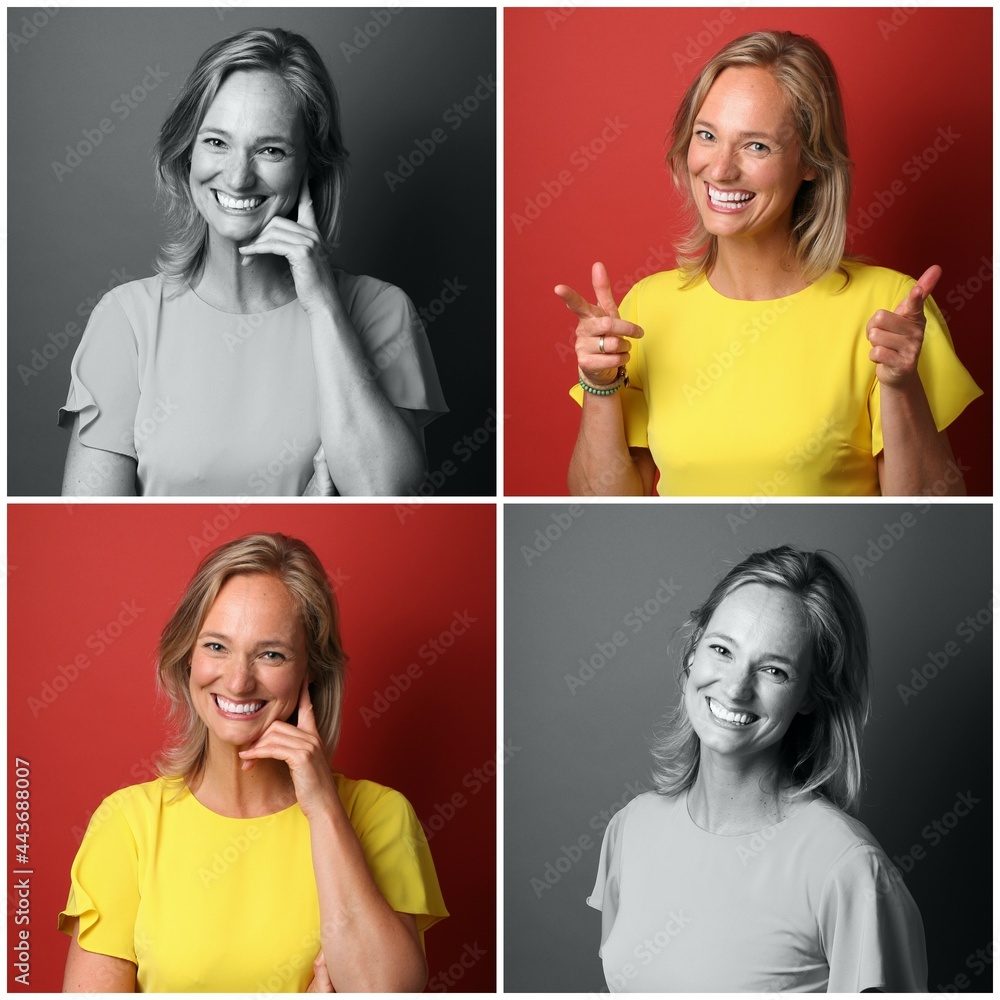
[(249, 156), (744, 160), (749, 674), (248, 660)]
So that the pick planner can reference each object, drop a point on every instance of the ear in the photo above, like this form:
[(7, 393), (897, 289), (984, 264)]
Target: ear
[(810, 175)]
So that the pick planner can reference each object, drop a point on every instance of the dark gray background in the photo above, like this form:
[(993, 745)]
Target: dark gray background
[(68, 237), (584, 752)]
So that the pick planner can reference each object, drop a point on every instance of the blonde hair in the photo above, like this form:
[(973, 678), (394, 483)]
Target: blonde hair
[(821, 751), (301, 69), (293, 563), (806, 75)]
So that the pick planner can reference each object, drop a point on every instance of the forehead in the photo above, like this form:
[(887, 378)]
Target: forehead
[(251, 599), (765, 619), (255, 102), (748, 98)]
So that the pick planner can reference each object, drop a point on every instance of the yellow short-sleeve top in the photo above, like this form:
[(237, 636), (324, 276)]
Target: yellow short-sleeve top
[(775, 397), (207, 903)]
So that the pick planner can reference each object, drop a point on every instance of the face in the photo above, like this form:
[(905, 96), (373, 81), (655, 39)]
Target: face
[(744, 158), (749, 675), (249, 659), (249, 156)]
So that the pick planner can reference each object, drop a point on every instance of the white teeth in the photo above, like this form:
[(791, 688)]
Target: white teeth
[(240, 204), (240, 708), (740, 718), (723, 197)]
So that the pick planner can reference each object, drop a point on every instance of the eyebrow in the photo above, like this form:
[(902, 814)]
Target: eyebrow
[(260, 645), (776, 657), (741, 135), (261, 138)]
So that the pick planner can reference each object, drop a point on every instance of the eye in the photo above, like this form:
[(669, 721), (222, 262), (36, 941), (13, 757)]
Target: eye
[(704, 134), (776, 672), (759, 147), (275, 152), (214, 647), (273, 657), (211, 140), (720, 649)]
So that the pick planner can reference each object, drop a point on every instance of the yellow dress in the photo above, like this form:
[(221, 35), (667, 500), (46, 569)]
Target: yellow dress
[(207, 903), (776, 397)]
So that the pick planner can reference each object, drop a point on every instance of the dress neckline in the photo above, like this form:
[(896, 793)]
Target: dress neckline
[(767, 831), (225, 312)]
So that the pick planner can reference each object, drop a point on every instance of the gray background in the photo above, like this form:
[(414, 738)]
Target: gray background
[(68, 237), (585, 752)]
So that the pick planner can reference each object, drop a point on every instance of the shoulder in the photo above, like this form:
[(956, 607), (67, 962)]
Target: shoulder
[(841, 841), (362, 291), (137, 301), (869, 280), (664, 283), (361, 797), (135, 804), (646, 808)]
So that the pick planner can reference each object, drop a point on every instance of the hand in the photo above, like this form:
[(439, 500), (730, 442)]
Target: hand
[(321, 982), (321, 483), (302, 750), (301, 244), (595, 321), (897, 336)]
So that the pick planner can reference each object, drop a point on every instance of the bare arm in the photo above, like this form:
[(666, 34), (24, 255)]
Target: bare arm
[(90, 972), (93, 472), (916, 459), (602, 463)]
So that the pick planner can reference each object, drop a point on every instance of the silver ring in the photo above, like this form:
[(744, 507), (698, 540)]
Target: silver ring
[(600, 344)]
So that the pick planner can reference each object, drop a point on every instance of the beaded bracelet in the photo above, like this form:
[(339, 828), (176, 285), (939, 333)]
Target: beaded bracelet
[(605, 390)]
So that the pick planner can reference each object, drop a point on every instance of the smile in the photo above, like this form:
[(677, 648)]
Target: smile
[(728, 201), (723, 714), (243, 205), (237, 709)]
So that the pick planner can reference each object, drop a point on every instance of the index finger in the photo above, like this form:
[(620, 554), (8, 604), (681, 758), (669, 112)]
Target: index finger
[(306, 216), (913, 304), (602, 289), (576, 302)]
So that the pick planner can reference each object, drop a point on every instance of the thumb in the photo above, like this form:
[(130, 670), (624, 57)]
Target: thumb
[(913, 305)]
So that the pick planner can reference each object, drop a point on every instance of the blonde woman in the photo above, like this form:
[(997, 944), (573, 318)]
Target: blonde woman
[(249, 365), (745, 871), (769, 362), (250, 866)]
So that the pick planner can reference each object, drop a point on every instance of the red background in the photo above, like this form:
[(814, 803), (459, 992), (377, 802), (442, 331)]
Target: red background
[(399, 585), (566, 72)]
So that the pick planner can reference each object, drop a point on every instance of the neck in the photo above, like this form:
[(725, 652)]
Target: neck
[(226, 283), (755, 268), (224, 787), (732, 797)]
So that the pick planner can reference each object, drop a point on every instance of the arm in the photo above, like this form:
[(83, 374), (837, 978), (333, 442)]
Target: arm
[(95, 472), (367, 946), (602, 463), (89, 972), (916, 459), (372, 448)]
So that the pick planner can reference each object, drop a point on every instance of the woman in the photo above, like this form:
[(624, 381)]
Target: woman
[(754, 373), (249, 365), (248, 865), (744, 871)]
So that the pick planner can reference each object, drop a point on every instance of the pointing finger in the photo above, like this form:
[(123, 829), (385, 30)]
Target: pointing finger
[(306, 216), (913, 305), (576, 302)]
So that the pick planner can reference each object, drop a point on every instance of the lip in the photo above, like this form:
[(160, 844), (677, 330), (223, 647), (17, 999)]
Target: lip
[(722, 723), (238, 211), (238, 716), (735, 209)]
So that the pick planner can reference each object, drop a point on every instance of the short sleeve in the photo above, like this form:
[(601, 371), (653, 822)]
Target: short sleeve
[(870, 927), (104, 886), (608, 883), (399, 353), (399, 859), (104, 381), (633, 399), (947, 383)]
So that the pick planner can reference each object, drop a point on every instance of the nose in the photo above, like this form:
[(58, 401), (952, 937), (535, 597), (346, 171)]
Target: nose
[(738, 683), (241, 679), (238, 172), (724, 166)]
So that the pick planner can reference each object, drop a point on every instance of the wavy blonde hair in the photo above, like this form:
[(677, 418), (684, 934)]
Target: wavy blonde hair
[(300, 67), (806, 75), (293, 563), (821, 751)]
